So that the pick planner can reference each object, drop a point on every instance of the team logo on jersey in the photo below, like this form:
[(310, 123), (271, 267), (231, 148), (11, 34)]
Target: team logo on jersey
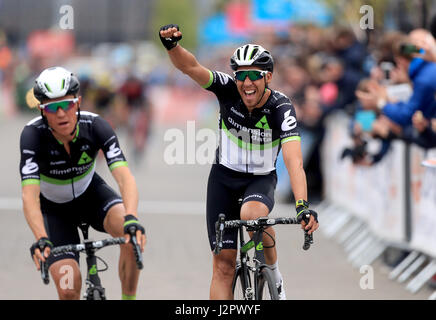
[(84, 158), (263, 123), (30, 167), (289, 122), (113, 151)]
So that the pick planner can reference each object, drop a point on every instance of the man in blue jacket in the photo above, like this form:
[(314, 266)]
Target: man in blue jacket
[(398, 115)]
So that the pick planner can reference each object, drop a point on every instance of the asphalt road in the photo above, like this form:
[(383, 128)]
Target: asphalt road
[(177, 259)]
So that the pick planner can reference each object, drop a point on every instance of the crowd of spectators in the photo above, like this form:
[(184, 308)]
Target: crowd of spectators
[(384, 80)]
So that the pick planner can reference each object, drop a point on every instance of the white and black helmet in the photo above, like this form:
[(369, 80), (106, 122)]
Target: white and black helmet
[(252, 55), (55, 82)]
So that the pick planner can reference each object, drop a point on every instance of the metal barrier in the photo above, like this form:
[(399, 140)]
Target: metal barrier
[(390, 204)]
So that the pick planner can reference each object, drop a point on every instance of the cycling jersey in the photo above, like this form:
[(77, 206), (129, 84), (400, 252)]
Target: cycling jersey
[(62, 176), (251, 141)]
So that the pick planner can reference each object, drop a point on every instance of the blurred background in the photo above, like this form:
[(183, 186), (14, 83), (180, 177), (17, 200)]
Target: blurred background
[(323, 51)]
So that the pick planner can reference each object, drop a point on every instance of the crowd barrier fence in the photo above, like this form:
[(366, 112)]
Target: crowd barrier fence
[(369, 209)]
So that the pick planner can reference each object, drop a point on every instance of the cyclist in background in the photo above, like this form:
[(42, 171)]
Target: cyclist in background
[(255, 123), (133, 92), (60, 188)]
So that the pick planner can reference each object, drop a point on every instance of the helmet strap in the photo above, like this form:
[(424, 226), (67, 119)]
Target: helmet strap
[(264, 91), (77, 122)]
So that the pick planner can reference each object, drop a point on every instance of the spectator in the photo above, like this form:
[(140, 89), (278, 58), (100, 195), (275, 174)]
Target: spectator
[(423, 76)]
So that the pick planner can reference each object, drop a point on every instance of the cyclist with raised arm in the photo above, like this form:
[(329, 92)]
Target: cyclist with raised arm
[(61, 190), (255, 123)]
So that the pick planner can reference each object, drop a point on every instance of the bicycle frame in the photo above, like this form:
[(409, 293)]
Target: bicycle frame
[(255, 242), (93, 281), (257, 226)]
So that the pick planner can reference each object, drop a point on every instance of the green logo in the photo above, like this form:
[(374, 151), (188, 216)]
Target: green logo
[(93, 270), (84, 158), (259, 246), (262, 124)]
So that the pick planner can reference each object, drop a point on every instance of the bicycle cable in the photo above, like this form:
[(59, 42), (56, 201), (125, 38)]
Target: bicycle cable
[(272, 238), (104, 262)]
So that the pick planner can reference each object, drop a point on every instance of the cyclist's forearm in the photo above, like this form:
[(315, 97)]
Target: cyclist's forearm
[(33, 214), (182, 59), (294, 163), (128, 189), (186, 62), (298, 182)]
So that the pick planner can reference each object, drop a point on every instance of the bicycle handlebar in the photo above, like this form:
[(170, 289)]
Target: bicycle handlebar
[(96, 245), (258, 223), (83, 246)]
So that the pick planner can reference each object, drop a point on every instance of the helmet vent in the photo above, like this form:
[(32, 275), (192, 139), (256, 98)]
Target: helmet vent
[(245, 52), (253, 53)]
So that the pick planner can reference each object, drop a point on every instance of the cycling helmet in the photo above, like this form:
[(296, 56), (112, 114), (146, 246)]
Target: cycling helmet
[(55, 82), (252, 55)]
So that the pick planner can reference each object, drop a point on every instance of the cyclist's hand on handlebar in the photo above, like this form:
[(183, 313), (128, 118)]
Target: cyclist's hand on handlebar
[(133, 227), (307, 217), (170, 35), (40, 250), (312, 224)]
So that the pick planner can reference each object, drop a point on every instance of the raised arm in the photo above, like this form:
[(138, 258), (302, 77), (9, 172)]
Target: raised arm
[(181, 58)]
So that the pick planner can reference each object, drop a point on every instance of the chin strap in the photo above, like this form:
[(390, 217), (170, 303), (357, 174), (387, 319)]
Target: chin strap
[(77, 122)]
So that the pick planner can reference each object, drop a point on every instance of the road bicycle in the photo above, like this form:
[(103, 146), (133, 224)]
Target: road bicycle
[(254, 279), (94, 287)]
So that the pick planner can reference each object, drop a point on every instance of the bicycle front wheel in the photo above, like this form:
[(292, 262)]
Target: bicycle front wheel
[(266, 286), (241, 286)]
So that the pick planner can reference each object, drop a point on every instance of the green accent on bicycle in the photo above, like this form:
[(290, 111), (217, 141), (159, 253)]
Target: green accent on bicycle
[(84, 158), (127, 297), (207, 85), (93, 270), (249, 245), (63, 84), (263, 123), (259, 246)]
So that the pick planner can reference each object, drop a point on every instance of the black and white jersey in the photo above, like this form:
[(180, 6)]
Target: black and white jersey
[(250, 142), (62, 176)]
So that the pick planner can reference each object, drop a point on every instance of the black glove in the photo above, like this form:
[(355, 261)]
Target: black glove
[(169, 43), (131, 225), (41, 244), (303, 211)]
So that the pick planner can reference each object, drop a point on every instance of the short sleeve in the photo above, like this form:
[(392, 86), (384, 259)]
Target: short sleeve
[(29, 148), (109, 144), (286, 122)]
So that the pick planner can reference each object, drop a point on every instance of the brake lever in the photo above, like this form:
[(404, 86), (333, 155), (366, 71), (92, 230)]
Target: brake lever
[(308, 238), (136, 248), (219, 231), (44, 272)]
